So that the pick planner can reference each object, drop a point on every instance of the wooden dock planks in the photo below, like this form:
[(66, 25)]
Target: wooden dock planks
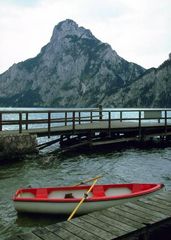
[(96, 126), (99, 126), (129, 219)]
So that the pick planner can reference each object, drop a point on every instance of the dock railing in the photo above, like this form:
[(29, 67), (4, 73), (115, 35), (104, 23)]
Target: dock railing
[(23, 119)]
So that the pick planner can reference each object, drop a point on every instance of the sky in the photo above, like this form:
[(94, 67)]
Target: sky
[(138, 30)]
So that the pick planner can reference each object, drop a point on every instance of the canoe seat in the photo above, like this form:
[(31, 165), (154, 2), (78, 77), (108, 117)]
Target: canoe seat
[(98, 191), (41, 193)]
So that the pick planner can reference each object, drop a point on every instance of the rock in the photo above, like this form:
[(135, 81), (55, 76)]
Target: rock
[(74, 69), (150, 90)]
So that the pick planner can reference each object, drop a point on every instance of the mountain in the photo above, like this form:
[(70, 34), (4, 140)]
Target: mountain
[(152, 89), (74, 69)]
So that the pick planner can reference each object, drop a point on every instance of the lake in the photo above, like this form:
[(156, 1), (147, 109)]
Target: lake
[(129, 165)]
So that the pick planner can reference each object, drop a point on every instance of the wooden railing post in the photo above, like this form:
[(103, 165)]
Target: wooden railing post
[(91, 116), (20, 122), (139, 124), (66, 120), (109, 122), (79, 117), (49, 123), (26, 120), (120, 116), (165, 121), (73, 121), (0, 121), (100, 112)]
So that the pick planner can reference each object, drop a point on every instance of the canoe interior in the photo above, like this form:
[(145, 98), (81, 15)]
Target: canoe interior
[(99, 191)]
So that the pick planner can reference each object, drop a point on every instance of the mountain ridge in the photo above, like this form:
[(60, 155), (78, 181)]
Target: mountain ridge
[(75, 69)]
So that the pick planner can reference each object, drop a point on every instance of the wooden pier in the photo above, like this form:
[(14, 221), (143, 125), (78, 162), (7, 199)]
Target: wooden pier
[(88, 127), (148, 218)]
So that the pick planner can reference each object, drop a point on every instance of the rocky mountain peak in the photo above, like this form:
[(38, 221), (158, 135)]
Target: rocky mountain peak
[(69, 28)]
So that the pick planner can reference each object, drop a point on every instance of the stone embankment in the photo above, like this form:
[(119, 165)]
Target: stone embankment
[(14, 146)]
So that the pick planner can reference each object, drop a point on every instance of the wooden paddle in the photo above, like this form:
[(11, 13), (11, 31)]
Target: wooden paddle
[(82, 200), (88, 180)]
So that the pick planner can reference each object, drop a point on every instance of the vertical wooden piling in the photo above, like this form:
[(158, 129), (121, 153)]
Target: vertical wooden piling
[(20, 122), (100, 112), (73, 121), (109, 123), (79, 117), (120, 116), (0, 121), (49, 123), (165, 122), (91, 116), (27, 118), (139, 125), (66, 120)]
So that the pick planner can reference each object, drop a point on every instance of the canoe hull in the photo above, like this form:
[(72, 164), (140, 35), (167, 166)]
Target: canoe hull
[(67, 208), (61, 208), (54, 205)]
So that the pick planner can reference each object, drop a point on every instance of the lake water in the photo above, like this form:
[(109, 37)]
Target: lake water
[(131, 165)]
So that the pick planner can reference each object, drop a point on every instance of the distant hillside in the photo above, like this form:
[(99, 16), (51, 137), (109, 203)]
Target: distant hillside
[(152, 89)]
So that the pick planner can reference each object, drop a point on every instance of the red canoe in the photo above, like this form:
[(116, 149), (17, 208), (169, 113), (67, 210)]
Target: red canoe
[(62, 200)]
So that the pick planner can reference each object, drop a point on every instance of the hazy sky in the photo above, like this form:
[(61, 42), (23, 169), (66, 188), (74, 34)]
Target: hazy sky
[(138, 30)]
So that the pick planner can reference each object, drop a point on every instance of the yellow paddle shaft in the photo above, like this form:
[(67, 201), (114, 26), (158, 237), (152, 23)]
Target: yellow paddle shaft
[(88, 180), (82, 200)]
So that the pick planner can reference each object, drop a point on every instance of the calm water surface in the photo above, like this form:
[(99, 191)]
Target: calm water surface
[(131, 165)]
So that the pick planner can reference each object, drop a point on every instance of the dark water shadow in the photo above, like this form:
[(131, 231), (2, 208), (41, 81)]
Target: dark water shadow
[(38, 220), (111, 148)]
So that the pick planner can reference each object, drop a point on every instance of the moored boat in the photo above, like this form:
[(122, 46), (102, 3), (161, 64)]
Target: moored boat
[(62, 200)]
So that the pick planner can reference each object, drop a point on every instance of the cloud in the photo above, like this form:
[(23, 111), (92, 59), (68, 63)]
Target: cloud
[(141, 34), (138, 32), (21, 3)]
